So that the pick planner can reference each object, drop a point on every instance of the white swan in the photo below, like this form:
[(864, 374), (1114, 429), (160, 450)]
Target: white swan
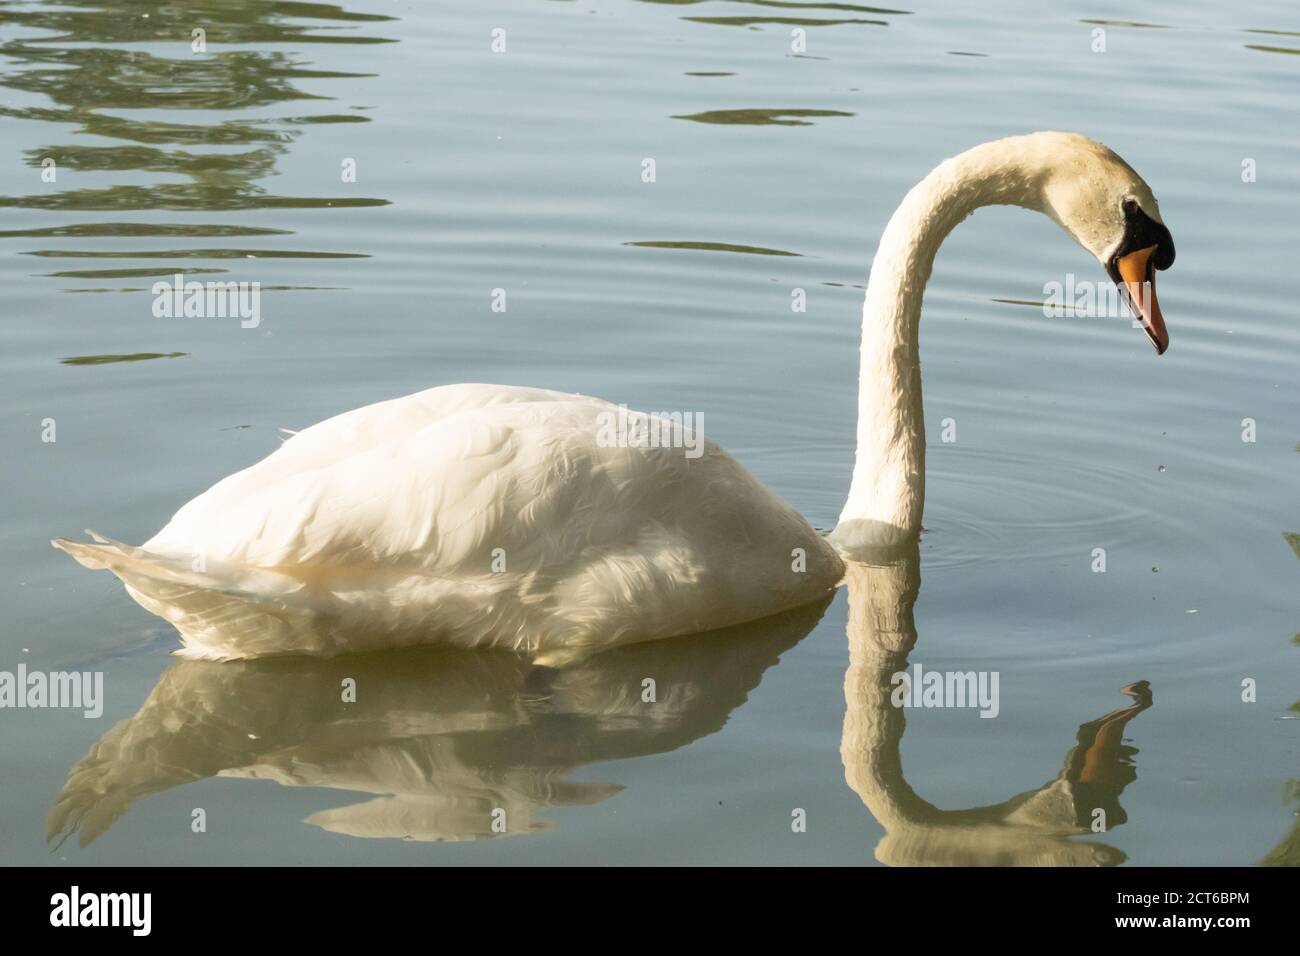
[(486, 515)]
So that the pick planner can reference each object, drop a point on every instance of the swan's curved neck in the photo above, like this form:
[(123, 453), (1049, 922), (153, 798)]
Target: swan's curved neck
[(888, 491)]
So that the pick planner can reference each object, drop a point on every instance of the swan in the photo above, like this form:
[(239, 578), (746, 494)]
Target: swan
[(501, 516)]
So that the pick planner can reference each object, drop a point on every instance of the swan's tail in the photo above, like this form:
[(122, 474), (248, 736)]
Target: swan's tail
[(123, 559), (221, 612)]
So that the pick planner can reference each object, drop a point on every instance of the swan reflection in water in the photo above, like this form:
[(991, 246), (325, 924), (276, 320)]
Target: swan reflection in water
[(1030, 829), (440, 740)]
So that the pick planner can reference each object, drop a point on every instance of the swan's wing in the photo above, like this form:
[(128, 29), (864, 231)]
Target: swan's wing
[(500, 517), (403, 502), (354, 432)]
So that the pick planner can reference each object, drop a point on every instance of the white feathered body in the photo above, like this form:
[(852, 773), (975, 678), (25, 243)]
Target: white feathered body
[(476, 516)]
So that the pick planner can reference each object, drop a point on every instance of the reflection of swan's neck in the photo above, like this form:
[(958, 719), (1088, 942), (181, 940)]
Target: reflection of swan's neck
[(888, 490), (1030, 827), (881, 634)]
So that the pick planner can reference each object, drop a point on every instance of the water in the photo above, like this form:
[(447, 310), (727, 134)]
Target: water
[(523, 171)]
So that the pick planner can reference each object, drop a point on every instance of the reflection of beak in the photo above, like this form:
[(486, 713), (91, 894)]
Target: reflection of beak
[(1103, 738), (1135, 274)]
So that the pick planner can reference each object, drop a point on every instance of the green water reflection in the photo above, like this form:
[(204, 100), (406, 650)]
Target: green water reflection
[(108, 94)]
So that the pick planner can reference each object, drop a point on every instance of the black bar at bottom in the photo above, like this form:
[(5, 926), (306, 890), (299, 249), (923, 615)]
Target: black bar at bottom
[(303, 905)]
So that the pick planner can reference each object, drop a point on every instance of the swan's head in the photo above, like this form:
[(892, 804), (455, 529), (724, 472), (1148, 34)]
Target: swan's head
[(1107, 207)]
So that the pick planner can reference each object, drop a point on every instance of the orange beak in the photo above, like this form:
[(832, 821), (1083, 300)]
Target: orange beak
[(1137, 279)]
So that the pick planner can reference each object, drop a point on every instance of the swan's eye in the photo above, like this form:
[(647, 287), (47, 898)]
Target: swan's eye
[(1141, 231)]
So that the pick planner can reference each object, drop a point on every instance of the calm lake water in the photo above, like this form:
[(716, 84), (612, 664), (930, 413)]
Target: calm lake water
[(522, 170)]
